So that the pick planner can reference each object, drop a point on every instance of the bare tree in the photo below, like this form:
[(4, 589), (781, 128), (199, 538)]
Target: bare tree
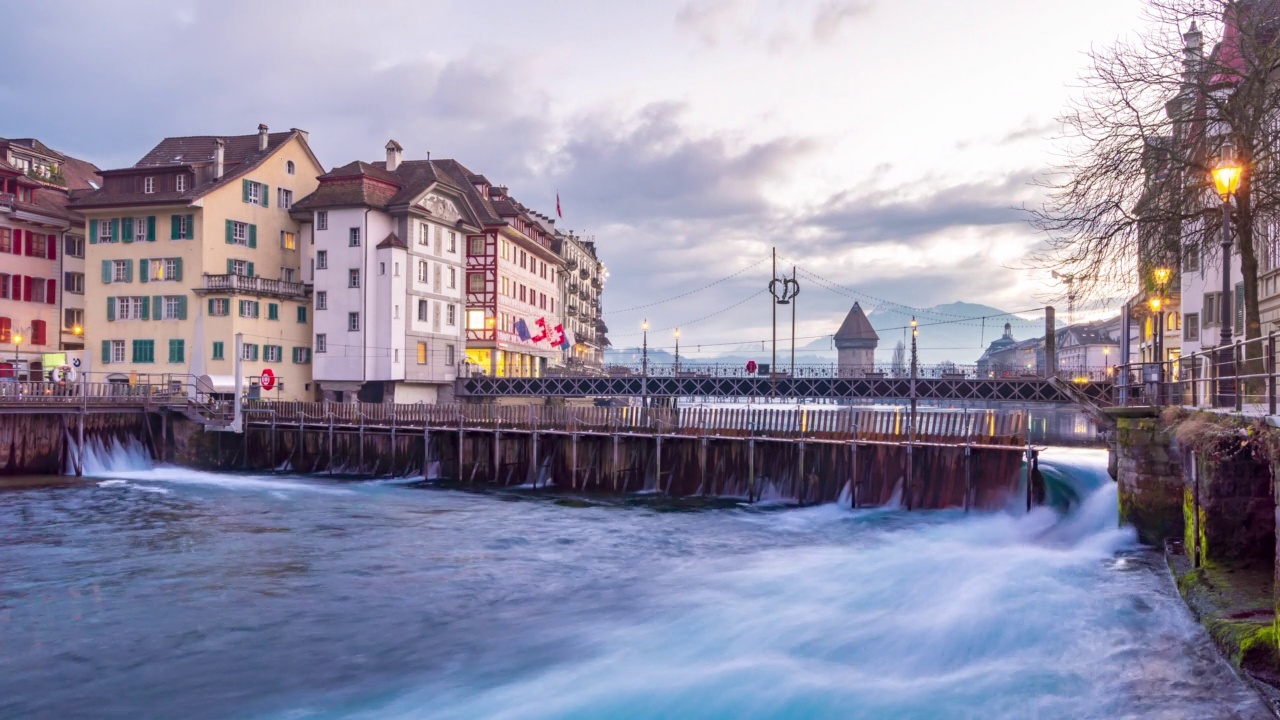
[(1133, 191), (898, 366)]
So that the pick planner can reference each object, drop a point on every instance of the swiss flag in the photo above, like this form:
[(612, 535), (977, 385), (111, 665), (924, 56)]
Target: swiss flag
[(557, 339)]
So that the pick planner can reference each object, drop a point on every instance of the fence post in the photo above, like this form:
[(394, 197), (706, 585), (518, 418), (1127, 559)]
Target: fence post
[(1271, 373), (1236, 375)]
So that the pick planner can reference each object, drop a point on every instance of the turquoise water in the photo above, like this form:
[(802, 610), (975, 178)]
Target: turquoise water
[(167, 593)]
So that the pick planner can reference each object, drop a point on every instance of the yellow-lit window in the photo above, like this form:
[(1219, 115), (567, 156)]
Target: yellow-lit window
[(288, 240), (475, 319), (422, 353)]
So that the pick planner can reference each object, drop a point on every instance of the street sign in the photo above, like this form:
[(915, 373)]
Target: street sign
[(751, 366), (268, 379)]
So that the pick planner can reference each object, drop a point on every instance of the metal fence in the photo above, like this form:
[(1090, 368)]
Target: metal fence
[(1240, 376)]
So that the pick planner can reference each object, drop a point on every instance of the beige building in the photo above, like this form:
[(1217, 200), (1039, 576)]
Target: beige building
[(194, 244)]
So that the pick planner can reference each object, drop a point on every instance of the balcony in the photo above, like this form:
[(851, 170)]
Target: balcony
[(584, 273), (572, 288), (571, 265), (253, 286), (596, 283), (7, 200), (571, 311)]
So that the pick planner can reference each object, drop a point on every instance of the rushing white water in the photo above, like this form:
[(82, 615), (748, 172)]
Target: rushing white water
[(402, 602)]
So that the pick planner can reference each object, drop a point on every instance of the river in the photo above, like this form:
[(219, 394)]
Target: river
[(160, 592)]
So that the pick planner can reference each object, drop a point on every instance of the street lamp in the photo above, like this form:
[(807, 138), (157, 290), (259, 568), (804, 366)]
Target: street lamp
[(677, 351), (1226, 179), (17, 340), (644, 357)]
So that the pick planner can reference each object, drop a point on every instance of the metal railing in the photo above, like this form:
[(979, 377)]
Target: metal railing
[(1240, 376), (254, 285), (942, 371), (181, 393)]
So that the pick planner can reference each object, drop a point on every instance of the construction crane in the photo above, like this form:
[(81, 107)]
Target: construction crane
[(1070, 279)]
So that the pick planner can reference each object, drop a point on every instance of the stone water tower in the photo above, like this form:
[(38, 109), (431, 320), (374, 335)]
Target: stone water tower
[(856, 342)]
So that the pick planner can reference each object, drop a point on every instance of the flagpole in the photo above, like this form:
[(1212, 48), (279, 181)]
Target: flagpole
[(773, 364), (793, 325)]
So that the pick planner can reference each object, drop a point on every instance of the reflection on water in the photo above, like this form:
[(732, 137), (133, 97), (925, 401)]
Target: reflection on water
[(170, 593)]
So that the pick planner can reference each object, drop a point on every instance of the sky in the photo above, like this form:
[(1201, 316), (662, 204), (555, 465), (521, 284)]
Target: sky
[(884, 148)]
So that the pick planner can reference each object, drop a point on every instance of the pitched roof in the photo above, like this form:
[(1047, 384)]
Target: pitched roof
[(856, 328), (360, 183), (392, 241)]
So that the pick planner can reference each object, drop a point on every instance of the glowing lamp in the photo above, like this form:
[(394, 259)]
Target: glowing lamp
[(1155, 304), (1226, 176), (1162, 276)]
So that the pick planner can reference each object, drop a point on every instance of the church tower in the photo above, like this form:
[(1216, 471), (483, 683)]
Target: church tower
[(856, 342)]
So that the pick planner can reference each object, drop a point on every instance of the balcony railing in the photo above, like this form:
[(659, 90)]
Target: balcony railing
[(253, 286), (7, 200)]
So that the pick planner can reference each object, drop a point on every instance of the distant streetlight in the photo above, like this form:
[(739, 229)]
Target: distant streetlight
[(644, 357), (1226, 179), (677, 351)]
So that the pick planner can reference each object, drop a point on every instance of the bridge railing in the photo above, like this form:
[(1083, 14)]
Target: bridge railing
[(183, 393), (941, 371), (980, 428), (1238, 376)]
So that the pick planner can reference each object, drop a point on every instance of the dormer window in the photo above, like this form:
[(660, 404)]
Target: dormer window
[(148, 185), (180, 183)]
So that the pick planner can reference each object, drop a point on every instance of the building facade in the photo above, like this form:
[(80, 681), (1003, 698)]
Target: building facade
[(581, 289), (856, 344), (195, 244), (42, 246), (388, 304)]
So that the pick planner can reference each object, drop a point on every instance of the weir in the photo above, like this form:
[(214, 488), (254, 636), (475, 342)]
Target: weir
[(949, 459)]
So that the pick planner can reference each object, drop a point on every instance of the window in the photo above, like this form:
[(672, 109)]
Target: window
[(249, 351), (36, 245), (475, 282), (218, 350), (448, 355), (353, 321), (273, 311), (476, 246), (73, 246), (422, 353), (1191, 259), (422, 310), (353, 238), (4, 287), (322, 220), (73, 282), (1212, 310), (129, 308), (451, 315), (301, 355), (116, 350), (396, 314), (396, 269), (302, 313), (39, 333), (289, 167), (424, 234), (475, 319), (239, 233), (180, 183), (288, 240), (144, 351), (382, 268), (72, 318), (239, 267), (1173, 321), (174, 308), (177, 351), (453, 278), (6, 240), (422, 271), (249, 308), (181, 227), (253, 192), (322, 343), (272, 353), (353, 278), (219, 307), (1191, 328), (105, 234), (397, 355), (453, 242), (322, 300), (322, 259), (148, 185), (284, 198)]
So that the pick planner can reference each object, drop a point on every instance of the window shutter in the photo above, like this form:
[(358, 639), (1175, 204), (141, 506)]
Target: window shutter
[(106, 272), (1239, 329), (175, 221), (265, 194), (26, 288), (257, 308), (231, 232), (51, 247), (106, 352), (211, 302), (248, 269), (273, 311), (231, 267), (111, 309), (191, 227), (253, 236), (182, 307), (93, 232), (151, 228), (145, 313), (144, 270), (244, 190), (51, 294), (17, 242), (177, 268), (128, 271), (126, 229), (158, 303), (115, 229)]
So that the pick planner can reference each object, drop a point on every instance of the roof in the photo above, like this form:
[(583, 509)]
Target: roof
[(359, 183), (76, 173), (392, 241), (856, 329)]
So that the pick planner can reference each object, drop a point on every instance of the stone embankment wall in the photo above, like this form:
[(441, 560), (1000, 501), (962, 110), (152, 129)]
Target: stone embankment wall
[(38, 443)]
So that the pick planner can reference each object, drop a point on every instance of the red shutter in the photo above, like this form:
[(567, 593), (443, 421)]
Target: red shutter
[(51, 296), (26, 289), (6, 330), (52, 247), (37, 332), (17, 242)]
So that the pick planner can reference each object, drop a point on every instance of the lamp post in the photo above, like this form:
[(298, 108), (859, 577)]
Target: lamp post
[(915, 332), (1157, 343), (17, 340), (644, 356), (1226, 180), (677, 351)]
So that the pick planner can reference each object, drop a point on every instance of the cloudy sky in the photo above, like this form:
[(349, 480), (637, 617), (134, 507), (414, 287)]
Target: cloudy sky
[(881, 146)]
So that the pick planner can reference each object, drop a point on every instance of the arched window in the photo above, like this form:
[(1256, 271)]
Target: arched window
[(288, 166)]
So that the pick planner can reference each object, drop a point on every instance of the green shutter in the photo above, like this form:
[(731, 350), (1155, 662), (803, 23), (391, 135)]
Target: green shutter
[(126, 229), (106, 352), (174, 223), (128, 271), (182, 307), (217, 350), (231, 267), (253, 236), (257, 308), (266, 192), (255, 352), (211, 308), (93, 232), (1239, 329), (106, 272), (248, 269), (146, 308), (177, 268), (191, 227), (273, 311), (115, 230), (244, 190), (302, 313), (231, 232), (111, 309), (144, 270), (177, 351), (158, 304), (151, 228)]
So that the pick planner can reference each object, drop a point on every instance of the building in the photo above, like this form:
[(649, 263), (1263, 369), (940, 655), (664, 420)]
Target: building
[(195, 244), (42, 242), (389, 305), (1088, 350), (856, 344), (581, 287)]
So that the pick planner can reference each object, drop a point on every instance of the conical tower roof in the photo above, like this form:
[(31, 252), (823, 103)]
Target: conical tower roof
[(856, 330)]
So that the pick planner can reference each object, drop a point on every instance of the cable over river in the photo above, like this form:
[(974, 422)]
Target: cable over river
[(168, 593)]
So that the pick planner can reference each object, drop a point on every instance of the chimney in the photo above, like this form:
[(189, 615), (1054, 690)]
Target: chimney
[(305, 135), (393, 155), (262, 137), (219, 153)]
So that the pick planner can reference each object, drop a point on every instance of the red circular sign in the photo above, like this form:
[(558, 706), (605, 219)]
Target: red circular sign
[(268, 379), (751, 366)]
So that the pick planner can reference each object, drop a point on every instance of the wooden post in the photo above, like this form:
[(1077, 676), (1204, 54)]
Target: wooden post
[(273, 440), (573, 462), (1027, 468), (426, 448), (613, 423), (330, 438), (908, 483), (302, 438), (801, 490), (853, 469), (164, 436), (462, 437), (392, 468), (360, 412), (497, 451), (80, 450), (968, 470), (658, 460)]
